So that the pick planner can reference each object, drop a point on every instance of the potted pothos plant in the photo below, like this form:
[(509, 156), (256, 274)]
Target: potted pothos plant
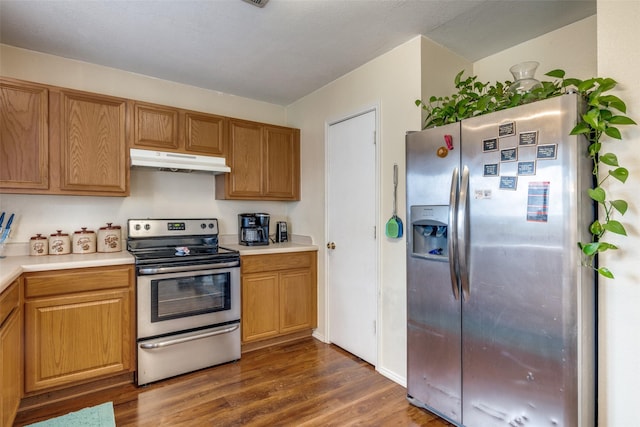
[(605, 112)]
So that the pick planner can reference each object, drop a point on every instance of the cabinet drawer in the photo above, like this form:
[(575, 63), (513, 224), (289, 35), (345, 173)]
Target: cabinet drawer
[(77, 280), (8, 301), (274, 262)]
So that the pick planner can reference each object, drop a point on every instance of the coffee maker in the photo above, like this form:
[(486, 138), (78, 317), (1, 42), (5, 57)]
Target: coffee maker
[(253, 229)]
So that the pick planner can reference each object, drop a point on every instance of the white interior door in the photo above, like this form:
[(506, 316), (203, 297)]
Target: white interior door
[(351, 247)]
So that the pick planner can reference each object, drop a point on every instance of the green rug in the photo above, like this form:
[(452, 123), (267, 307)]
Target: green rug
[(95, 416)]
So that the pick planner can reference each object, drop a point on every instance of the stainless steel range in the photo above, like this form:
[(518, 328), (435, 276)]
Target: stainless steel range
[(188, 297)]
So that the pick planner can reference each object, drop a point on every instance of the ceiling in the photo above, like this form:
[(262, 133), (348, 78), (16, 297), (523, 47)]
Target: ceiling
[(277, 53)]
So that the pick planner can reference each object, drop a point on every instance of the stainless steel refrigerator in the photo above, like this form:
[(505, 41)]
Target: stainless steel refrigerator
[(501, 315)]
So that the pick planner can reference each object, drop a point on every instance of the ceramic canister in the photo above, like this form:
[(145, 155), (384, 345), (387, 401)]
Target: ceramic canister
[(59, 243), (84, 241), (38, 245), (109, 238)]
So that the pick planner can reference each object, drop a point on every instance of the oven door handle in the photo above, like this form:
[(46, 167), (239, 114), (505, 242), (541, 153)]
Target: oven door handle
[(184, 268), (190, 338)]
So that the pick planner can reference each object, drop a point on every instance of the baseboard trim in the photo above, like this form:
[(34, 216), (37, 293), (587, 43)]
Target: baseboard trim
[(53, 396)]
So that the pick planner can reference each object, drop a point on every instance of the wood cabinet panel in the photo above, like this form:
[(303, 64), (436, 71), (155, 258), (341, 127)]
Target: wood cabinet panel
[(155, 126), (274, 262), (78, 327), (77, 280), (260, 304), (159, 127), (76, 337), (245, 159), (295, 301), (278, 294), (93, 143), (282, 147), (9, 300), (24, 141), (264, 161), (11, 367), (205, 134), (61, 141)]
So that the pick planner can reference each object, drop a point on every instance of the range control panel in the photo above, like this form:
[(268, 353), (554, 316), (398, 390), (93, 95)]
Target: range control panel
[(172, 227)]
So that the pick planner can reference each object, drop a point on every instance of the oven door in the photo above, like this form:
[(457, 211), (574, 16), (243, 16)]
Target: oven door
[(173, 301)]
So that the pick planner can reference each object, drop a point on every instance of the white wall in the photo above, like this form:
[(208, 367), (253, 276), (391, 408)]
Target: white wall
[(571, 48), (153, 193), (619, 346), (392, 81)]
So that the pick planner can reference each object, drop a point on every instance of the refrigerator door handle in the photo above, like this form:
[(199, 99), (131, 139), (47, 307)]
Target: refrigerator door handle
[(462, 234), (452, 244)]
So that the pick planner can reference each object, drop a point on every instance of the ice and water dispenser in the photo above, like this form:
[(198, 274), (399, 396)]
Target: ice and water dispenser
[(429, 228)]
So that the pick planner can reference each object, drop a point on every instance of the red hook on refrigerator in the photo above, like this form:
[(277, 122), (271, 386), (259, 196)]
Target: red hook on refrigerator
[(449, 140)]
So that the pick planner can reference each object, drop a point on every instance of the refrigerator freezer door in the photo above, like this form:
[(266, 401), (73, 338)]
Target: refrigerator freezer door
[(520, 321), (434, 317)]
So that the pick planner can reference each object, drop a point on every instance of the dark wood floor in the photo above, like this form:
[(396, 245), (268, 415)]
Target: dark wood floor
[(305, 383)]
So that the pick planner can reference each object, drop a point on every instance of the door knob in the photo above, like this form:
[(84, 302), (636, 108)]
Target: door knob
[(331, 245)]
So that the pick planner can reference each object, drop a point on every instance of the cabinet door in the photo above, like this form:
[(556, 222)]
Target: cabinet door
[(93, 144), (77, 337), (282, 163), (260, 302), (205, 134), (155, 127), (24, 153), (245, 154), (10, 354), (295, 300), (11, 364)]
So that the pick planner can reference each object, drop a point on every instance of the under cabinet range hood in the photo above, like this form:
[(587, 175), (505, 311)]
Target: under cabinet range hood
[(177, 162)]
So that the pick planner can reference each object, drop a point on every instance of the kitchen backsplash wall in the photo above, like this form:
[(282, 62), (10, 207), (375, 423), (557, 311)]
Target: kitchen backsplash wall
[(153, 194)]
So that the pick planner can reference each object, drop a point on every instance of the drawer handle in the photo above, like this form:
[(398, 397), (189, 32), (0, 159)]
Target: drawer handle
[(187, 339)]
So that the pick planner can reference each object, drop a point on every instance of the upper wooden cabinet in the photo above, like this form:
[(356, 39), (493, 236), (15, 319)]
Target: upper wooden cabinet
[(172, 129), (24, 139), (155, 126), (91, 135), (61, 141), (264, 161)]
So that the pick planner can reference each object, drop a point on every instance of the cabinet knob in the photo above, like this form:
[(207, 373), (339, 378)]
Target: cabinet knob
[(331, 245)]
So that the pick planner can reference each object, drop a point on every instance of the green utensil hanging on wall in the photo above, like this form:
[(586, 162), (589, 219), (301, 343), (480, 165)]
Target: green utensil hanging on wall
[(394, 225)]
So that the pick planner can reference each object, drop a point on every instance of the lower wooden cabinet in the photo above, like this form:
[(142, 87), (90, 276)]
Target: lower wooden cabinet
[(78, 326), (278, 294), (11, 373)]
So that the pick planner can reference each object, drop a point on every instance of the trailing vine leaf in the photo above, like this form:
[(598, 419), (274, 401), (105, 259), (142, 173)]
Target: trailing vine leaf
[(580, 128), (613, 132), (620, 205), (605, 272), (615, 227), (609, 159), (596, 228), (621, 174), (556, 73), (601, 119), (621, 120), (597, 194)]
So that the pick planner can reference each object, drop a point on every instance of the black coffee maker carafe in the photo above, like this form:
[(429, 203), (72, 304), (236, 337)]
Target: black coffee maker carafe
[(253, 229)]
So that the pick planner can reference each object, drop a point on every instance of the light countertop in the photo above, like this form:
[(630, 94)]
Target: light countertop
[(297, 244), (12, 267)]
